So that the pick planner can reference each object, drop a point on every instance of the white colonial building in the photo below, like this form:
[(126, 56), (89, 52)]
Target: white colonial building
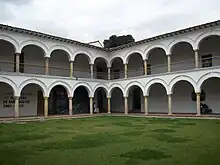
[(44, 75)]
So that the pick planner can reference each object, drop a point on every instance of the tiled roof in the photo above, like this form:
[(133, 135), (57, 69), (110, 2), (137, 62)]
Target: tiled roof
[(166, 35)]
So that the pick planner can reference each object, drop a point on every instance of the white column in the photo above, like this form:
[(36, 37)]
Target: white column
[(145, 67), (198, 104), (126, 70), (45, 106), (70, 106), (146, 104), (71, 69), (126, 105), (91, 105), (169, 67), (109, 104), (169, 104), (16, 107), (109, 73), (46, 65), (17, 62), (196, 58), (91, 70)]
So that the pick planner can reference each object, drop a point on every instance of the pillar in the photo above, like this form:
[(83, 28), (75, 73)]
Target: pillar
[(109, 104), (126, 105), (45, 106), (109, 73), (146, 104), (91, 105), (145, 67), (16, 107), (46, 65), (169, 104), (17, 62), (70, 106), (126, 70), (196, 58), (71, 69), (91, 70), (169, 63), (198, 104)]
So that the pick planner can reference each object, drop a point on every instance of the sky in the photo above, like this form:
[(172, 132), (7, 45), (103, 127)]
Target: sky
[(91, 20)]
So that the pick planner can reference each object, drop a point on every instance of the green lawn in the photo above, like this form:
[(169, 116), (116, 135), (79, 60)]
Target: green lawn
[(111, 140)]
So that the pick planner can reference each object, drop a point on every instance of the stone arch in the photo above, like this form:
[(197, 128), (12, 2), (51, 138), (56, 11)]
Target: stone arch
[(12, 41), (86, 53), (111, 88), (180, 78), (112, 60), (64, 48), (34, 81), (202, 36), (205, 77), (180, 40), (37, 43), (152, 47), (128, 54), (86, 85), (61, 83), (133, 83), (106, 61), (100, 86), (152, 82), (11, 83)]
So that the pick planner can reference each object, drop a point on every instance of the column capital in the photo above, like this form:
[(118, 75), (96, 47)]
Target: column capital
[(169, 54), (196, 50)]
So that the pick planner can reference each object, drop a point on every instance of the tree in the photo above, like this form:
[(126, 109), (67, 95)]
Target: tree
[(115, 41)]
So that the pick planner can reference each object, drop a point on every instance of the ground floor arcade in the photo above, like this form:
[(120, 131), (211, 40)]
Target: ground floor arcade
[(182, 100)]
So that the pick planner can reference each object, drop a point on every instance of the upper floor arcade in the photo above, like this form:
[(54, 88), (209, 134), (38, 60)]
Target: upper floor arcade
[(25, 51)]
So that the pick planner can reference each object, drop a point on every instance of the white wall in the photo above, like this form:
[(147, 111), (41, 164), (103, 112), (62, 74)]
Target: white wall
[(117, 64), (6, 56), (28, 101), (157, 100), (212, 89), (181, 98), (183, 57), (158, 61), (34, 61), (117, 101), (59, 64), (81, 66), (135, 65), (29, 95)]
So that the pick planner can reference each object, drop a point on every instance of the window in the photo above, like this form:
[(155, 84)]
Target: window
[(207, 60)]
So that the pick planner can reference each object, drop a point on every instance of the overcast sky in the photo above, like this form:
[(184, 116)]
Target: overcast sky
[(90, 20)]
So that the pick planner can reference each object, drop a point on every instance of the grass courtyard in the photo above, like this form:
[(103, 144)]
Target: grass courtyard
[(111, 141)]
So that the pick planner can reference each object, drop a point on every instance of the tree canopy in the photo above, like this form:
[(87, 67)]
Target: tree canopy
[(115, 41)]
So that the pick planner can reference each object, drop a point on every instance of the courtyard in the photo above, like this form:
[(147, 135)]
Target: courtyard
[(111, 140)]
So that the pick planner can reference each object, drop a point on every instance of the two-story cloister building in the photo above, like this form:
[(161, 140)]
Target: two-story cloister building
[(44, 75)]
